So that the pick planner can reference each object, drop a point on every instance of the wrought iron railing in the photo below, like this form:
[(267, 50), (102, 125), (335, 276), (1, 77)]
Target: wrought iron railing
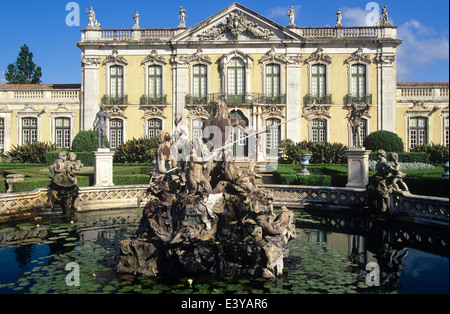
[(153, 100), (349, 99), (326, 99), (115, 100)]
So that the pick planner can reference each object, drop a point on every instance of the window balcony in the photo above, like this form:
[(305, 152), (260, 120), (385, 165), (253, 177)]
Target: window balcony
[(147, 100), (198, 100), (320, 100), (112, 100), (271, 100), (365, 99)]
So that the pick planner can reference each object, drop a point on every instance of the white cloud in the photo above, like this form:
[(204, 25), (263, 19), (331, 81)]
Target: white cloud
[(354, 16), (422, 46), (278, 12)]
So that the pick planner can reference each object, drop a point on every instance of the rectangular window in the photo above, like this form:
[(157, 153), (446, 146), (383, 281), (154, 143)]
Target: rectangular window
[(417, 131), (358, 82), (115, 133), (154, 81), (116, 81), (62, 129), (319, 130), (272, 80), (154, 127), (29, 130), (318, 80), (200, 79)]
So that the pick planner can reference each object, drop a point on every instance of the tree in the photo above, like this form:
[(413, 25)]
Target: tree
[(24, 70)]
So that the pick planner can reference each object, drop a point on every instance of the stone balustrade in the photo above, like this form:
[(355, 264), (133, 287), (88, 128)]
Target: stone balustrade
[(403, 206), (48, 93), (411, 91)]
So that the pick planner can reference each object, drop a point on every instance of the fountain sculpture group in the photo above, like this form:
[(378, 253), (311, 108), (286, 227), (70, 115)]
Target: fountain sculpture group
[(210, 219)]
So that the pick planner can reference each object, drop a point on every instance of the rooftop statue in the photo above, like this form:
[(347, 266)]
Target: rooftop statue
[(93, 23), (291, 14)]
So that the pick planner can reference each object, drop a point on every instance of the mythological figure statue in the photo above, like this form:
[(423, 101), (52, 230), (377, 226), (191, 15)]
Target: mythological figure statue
[(182, 17), (291, 14), (92, 21), (354, 117), (338, 18), (100, 125)]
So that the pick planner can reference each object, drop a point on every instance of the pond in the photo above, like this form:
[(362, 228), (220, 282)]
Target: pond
[(330, 255)]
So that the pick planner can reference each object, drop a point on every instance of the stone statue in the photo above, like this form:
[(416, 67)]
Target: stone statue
[(384, 18), (397, 174), (201, 227), (63, 189), (338, 18), (291, 14), (100, 125), (93, 23), (136, 20), (387, 179), (354, 117), (182, 17)]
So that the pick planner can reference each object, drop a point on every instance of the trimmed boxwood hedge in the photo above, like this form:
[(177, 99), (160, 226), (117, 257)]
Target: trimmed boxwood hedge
[(406, 157)]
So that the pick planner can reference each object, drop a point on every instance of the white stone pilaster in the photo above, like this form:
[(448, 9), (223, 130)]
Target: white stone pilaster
[(90, 92), (387, 114), (179, 92), (293, 102)]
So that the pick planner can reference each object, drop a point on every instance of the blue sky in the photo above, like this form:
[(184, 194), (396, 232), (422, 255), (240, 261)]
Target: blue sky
[(423, 26)]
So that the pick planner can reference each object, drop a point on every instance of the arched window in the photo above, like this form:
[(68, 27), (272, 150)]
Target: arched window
[(115, 132), (154, 127), (273, 137)]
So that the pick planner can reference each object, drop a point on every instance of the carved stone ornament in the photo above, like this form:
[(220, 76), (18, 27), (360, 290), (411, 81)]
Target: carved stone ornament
[(154, 57), (236, 24), (115, 59), (154, 112), (384, 59), (318, 56), (272, 111), (358, 56), (198, 111), (116, 111), (91, 61), (199, 57), (311, 111), (271, 56), (418, 108)]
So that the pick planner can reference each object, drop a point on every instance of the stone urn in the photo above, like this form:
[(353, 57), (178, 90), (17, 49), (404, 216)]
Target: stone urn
[(304, 162)]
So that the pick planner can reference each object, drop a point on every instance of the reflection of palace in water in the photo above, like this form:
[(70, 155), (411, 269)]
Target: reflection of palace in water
[(376, 241)]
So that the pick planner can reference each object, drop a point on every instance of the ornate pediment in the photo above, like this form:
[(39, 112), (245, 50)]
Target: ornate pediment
[(154, 112), (358, 56), (318, 57), (198, 112), (418, 108), (116, 112), (236, 22), (313, 111), (114, 58), (154, 57), (272, 56)]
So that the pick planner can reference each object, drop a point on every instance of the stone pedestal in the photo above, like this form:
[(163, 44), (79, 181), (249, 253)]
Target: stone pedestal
[(358, 167), (103, 167)]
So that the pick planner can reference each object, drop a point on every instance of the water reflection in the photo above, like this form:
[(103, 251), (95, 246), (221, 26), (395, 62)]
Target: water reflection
[(389, 245)]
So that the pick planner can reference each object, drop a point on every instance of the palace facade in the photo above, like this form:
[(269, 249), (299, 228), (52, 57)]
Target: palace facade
[(299, 80)]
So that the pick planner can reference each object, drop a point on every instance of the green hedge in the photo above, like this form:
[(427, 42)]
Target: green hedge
[(406, 157)]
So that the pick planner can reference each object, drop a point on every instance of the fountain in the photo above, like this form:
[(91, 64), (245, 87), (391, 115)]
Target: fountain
[(208, 220)]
